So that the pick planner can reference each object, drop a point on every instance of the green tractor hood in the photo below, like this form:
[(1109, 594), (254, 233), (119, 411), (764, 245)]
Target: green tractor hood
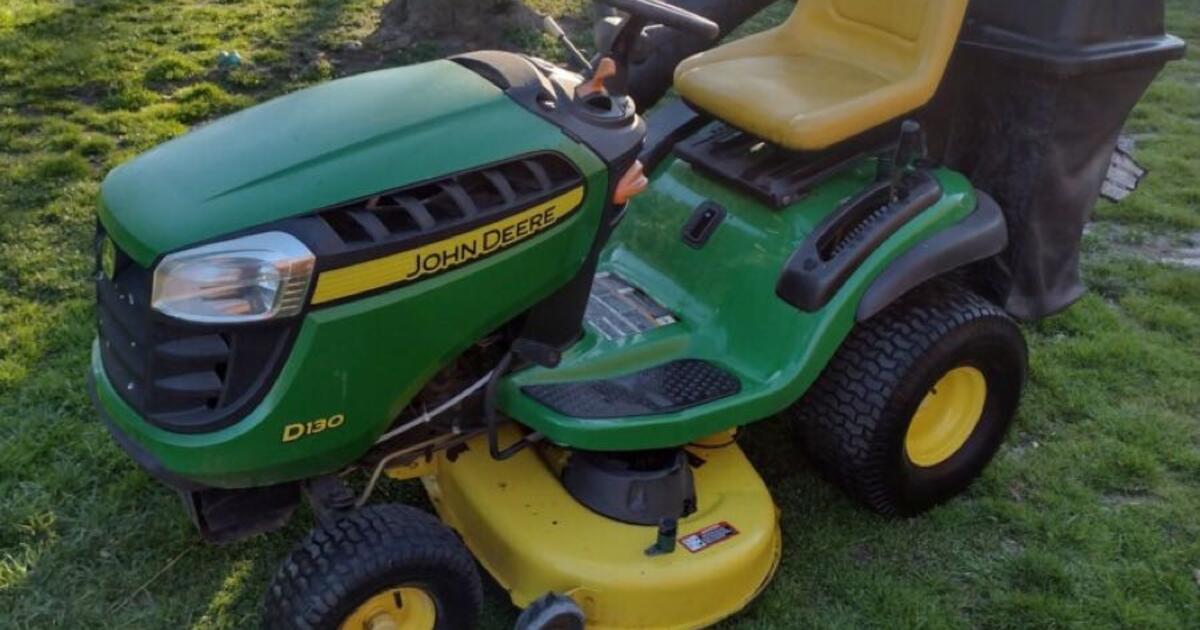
[(328, 144)]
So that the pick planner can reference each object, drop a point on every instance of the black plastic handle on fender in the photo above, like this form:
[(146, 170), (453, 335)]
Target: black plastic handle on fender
[(982, 234), (658, 12), (846, 238)]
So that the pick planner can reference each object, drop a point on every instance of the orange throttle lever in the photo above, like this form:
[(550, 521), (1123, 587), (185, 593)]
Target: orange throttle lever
[(605, 68)]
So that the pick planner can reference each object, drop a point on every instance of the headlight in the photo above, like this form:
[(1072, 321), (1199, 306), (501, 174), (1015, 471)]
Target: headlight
[(248, 279)]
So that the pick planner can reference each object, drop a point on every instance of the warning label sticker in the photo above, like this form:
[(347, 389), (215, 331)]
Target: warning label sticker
[(708, 537), (617, 309)]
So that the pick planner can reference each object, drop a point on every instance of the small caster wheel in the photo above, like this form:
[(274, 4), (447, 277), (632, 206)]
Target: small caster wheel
[(551, 612), (384, 567)]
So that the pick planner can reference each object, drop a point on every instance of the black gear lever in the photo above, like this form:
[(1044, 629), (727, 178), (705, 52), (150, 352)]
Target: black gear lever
[(909, 149)]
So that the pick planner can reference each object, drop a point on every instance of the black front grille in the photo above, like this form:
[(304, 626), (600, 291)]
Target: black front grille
[(181, 377)]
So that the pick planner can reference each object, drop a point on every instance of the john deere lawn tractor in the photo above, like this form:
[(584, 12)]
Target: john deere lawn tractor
[(496, 276)]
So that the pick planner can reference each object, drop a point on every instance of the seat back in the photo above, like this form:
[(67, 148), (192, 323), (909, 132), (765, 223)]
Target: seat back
[(899, 39)]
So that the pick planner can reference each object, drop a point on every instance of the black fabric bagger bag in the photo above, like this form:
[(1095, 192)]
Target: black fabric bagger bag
[(1034, 101)]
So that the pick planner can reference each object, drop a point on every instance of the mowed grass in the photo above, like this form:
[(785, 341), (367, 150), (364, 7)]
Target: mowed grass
[(1090, 515)]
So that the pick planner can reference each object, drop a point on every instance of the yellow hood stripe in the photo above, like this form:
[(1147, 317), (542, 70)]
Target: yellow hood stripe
[(444, 255)]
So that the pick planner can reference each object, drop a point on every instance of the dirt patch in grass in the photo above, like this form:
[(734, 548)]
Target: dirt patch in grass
[(1173, 248), (416, 30)]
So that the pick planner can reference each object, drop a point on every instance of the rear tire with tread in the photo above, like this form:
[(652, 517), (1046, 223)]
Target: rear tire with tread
[(854, 419)]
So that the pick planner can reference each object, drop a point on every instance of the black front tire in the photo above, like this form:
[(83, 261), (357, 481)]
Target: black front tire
[(854, 420), (336, 569)]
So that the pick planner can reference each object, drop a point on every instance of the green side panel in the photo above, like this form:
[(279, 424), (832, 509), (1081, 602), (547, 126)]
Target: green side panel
[(365, 359), (724, 296), (328, 144)]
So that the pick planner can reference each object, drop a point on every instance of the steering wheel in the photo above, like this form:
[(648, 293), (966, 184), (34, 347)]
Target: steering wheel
[(658, 12)]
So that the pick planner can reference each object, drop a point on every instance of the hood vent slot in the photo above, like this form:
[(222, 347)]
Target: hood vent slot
[(451, 204), (350, 226)]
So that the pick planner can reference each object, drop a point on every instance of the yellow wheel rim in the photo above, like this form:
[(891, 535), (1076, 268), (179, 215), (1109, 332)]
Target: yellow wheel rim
[(405, 608), (947, 417)]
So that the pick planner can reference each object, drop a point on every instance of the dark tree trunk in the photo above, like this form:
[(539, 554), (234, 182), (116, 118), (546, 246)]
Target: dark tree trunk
[(452, 25), (652, 75)]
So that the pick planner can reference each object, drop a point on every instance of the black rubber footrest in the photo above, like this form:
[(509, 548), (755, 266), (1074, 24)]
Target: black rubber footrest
[(666, 388)]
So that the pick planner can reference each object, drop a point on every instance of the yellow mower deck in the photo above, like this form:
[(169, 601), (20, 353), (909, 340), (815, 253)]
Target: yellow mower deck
[(534, 538)]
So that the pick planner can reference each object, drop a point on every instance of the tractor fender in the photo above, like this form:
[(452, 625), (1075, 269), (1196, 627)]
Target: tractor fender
[(981, 235)]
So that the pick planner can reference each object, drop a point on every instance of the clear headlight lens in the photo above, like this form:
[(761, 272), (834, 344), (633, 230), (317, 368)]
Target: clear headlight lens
[(248, 279)]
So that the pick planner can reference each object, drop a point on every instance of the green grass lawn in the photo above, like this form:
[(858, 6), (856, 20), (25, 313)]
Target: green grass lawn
[(1089, 517)]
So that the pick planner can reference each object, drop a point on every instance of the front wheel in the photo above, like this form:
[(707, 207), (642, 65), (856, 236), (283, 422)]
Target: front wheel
[(385, 567), (917, 400)]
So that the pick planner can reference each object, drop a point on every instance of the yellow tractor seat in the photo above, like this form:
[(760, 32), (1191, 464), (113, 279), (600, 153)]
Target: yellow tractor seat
[(833, 70)]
